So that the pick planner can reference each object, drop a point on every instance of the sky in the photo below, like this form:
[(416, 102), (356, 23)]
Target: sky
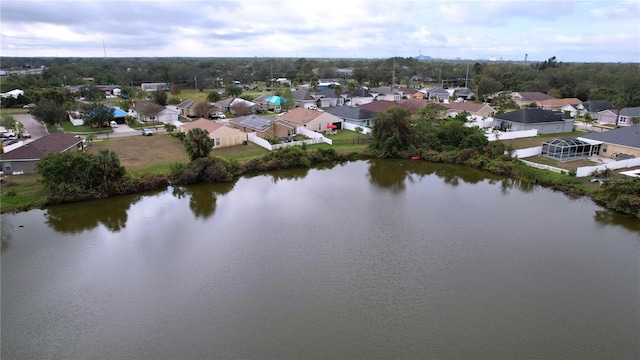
[(572, 31)]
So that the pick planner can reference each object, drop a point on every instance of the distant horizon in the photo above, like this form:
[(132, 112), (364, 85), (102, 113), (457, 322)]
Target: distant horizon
[(574, 31)]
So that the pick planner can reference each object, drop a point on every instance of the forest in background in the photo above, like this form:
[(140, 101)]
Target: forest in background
[(585, 81)]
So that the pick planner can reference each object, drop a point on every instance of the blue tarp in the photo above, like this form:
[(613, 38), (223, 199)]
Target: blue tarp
[(119, 113), (274, 100)]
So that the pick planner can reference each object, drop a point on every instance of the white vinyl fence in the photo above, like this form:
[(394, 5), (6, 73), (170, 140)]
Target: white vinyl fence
[(491, 136), (316, 138), (352, 127), (528, 152), (588, 170)]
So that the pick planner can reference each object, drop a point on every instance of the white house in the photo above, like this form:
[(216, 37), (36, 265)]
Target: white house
[(13, 93)]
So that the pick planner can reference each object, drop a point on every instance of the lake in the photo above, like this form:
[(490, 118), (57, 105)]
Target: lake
[(367, 259)]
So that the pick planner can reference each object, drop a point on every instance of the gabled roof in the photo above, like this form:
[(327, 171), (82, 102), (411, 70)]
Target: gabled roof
[(359, 92), (300, 115), (261, 99), (187, 104), (35, 150), (351, 113), (254, 122), (386, 90), (377, 106), (202, 123), (464, 92), (531, 96), (630, 111), (435, 90), (559, 102), (414, 104), (327, 93), (594, 106), (302, 95), (407, 90), (531, 116), (625, 136), (470, 107)]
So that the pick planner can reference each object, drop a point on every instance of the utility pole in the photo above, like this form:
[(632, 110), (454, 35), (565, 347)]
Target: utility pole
[(195, 78), (466, 78)]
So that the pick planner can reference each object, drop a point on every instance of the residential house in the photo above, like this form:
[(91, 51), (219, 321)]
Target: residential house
[(464, 94), (303, 99), (13, 93), (628, 115), (220, 135), (378, 106), (606, 117), (360, 96), (388, 93), (168, 115), (408, 92), (261, 101), (526, 98), (414, 104), (566, 105), (436, 93), (265, 127), (328, 98), (230, 105), (26, 157), (187, 108), (154, 86), (345, 71), (545, 121), (593, 107), (314, 120), (353, 114), (623, 140), (476, 109)]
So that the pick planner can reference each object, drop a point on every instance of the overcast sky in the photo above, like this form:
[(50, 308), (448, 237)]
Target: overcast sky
[(573, 31)]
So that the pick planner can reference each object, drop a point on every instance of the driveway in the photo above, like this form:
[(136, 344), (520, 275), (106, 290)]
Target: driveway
[(31, 125)]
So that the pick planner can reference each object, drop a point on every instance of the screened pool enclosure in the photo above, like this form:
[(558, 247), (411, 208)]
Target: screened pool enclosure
[(568, 148)]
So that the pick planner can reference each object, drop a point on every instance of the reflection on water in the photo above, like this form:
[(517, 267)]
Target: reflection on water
[(202, 197)]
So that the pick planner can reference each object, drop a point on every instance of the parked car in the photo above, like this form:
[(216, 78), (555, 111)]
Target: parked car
[(113, 124), (8, 134), (25, 135), (217, 115), (29, 106), (147, 132)]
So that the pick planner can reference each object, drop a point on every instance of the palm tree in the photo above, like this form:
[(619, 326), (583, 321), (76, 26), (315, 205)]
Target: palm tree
[(351, 88), (619, 102), (198, 144), (338, 91), (314, 85)]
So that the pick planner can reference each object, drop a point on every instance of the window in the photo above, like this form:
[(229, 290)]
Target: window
[(217, 141), (604, 148), (7, 166)]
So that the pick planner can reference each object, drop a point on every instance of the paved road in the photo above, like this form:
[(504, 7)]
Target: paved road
[(31, 125)]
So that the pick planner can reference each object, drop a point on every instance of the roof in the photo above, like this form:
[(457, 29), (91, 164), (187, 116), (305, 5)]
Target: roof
[(359, 92), (532, 96), (464, 92), (253, 121), (35, 150), (625, 136), (407, 90), (300, 115), (202, 123), (327, 93), (559, 102), (274, 100), (377, 106), (351, 113), (414, 104), (186, 104), (435, 90), (262, 98), (630, 111), (467, 106), (531, 116), (387, 90), (594, 106), (302, 95)]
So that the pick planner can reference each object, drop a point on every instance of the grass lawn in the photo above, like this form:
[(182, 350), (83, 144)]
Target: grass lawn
[(21, 192), (144, 154), (569, 165)]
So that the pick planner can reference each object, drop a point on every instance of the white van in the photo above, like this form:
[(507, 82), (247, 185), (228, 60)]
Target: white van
[(113, 124)]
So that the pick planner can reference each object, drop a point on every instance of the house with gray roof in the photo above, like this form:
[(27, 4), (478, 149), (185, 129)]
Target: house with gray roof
[(545, 121), (303, 98), (593, 107), (623, 140), (388, 93), (360, 96), (353, 114), (437, 93), (266, 127), (629, 116), (527, 97), (328, 98), (25, 158)]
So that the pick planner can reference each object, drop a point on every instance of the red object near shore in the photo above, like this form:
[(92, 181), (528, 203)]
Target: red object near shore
[(415, 157)]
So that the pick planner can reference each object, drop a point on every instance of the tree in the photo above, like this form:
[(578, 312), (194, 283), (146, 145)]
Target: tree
[(198, 144), (241, 108), (504, 101), (619, 102), (7, 120), (202, 109), (391, 133), (213, 96), (169, 127), (314, 85), (107, 167), (359, 130), (149, 111), (337, 90), (234, 90), (351, 88), (286, 100), (160, 97), (49, 112), (175, 90), (98, 115)]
